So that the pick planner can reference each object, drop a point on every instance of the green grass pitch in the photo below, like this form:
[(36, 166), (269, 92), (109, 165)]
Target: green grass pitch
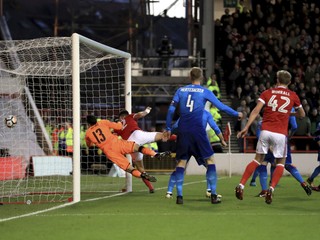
[(139, 215)]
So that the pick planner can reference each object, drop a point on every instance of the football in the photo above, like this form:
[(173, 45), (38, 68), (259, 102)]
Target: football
[(11, 121)]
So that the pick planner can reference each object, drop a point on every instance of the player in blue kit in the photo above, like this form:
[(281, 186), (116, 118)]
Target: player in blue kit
[(192, 137), (269, 158), (207, 119), (316, 171)]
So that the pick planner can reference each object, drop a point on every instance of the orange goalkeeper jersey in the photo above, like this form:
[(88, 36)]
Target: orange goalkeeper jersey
[(114, 148), (100, 133)]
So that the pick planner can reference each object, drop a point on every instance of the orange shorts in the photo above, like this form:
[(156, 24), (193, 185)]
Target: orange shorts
[(115, 151)]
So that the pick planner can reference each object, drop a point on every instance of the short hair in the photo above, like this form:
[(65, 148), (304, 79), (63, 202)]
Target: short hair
[(284, 77), (91, 120), (123, 113), (196, 74)]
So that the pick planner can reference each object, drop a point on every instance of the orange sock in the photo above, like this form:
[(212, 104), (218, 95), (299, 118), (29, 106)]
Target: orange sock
[(277, 174), (248, 171), (148, 151), (136, 173), (148, 183)]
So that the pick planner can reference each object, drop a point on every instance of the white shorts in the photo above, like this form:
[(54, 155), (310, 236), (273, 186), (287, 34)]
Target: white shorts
[(141, 137), (277, 141)]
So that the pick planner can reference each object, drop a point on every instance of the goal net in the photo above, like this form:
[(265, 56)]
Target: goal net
[(51, 85)]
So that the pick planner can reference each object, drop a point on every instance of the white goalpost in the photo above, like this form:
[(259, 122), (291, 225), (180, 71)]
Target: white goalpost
[(51, 85)]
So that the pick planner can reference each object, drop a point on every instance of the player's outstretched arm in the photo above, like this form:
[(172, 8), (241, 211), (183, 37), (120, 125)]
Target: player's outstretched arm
[(222, 107), (223, 142), (299, 113), (142, 114), (252, 117)]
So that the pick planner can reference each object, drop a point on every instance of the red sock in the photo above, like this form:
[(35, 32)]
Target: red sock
[(148, 183), (173, 137), (277, 174), (248, 171)]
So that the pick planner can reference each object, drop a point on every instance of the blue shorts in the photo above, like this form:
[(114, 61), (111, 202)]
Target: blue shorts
[(194, 143)]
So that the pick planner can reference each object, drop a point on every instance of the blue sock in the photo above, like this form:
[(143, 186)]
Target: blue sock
[(172, 182), (179, 180), (263, 177), (208, 187), (211, 176), (315, 173), (272, 168), (294, 172), (255, 174)]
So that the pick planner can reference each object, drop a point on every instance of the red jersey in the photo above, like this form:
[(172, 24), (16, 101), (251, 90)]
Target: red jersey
[(129, 126), (278, 105)]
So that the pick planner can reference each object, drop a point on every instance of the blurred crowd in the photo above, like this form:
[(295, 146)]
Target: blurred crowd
[(254, 42)]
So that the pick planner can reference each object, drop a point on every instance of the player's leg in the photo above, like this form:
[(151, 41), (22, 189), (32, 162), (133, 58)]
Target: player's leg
[(269, 158), (211, 176), (139, 138), (171, 184), (295, 172), (124, 164), (279, 146), (208, 193), (262, 149), (278, 172), (149, 151), (272, 168), (142, 137), (263, 177), (250, 168), (116, 153), (201, 149), (254, 177), (138, 162), (314, 174), (179, 173), (183, 154)]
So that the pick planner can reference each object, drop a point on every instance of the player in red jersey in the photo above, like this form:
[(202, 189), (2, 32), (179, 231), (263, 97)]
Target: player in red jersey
[(277, 103), (132, 132)]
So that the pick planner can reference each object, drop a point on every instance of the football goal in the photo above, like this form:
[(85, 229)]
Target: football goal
[(51, 85)]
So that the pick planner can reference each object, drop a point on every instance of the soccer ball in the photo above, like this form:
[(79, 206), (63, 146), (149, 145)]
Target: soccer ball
[(10, 121)]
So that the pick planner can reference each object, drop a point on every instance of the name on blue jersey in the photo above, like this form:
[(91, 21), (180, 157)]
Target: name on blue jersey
[(192, 90)]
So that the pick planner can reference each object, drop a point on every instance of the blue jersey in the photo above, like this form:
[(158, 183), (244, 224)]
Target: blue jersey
[(192, 137), (191, 100), (206, 119)]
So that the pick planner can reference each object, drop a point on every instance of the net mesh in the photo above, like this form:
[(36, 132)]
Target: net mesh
[(36, 86)]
